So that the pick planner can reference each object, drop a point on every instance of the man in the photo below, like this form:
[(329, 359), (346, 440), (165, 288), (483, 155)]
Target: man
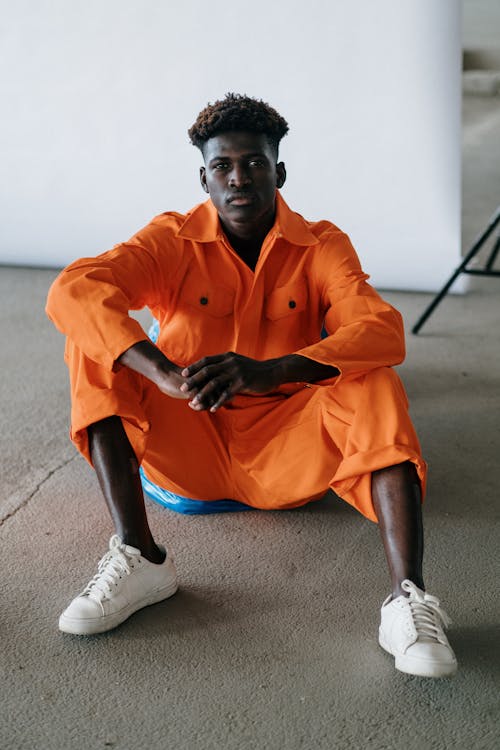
[(241, 397)]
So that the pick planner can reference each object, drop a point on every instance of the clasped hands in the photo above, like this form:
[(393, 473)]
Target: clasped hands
[(213, 381)]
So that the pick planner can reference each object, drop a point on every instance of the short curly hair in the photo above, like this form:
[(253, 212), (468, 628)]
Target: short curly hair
[(238, 112)]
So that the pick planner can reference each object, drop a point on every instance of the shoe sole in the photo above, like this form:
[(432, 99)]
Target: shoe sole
[(108, 622), (408, 665)]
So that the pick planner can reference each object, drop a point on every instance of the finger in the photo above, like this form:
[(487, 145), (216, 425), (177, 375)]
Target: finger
[(201, 363), (225, 396), (210, 394), (197, 379), (203, 377)]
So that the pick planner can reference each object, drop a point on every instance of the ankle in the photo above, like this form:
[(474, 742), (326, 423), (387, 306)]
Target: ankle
[(397, 589), (147, 547), (154, 554)]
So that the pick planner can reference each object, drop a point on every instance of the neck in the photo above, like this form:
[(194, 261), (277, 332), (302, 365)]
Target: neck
[(248, 242), (247, 248)]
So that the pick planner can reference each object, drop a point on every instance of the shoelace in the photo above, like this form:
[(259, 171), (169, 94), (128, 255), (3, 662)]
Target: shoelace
[(113, 566), (428, 616)]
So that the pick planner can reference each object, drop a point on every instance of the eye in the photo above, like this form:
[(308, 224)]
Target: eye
[(221, 165), (256, 163)]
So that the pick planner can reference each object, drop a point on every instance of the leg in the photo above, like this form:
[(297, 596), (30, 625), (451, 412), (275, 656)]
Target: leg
[(358, 427), (397, 502), (412, 622), (117, 469), (134, 572)]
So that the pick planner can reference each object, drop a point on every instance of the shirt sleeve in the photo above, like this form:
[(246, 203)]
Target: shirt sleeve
[(364, 331), (90, 300)]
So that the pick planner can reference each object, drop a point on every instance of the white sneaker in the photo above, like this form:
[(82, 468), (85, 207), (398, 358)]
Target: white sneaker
[(411, 629), (124, 583)]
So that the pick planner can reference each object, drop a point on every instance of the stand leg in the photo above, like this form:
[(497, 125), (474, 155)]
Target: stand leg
[(493, 255), (495, 219)]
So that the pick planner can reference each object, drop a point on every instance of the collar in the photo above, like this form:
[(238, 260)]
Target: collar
[(202, 224)]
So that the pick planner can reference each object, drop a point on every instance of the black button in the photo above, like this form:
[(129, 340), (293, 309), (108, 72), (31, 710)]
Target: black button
[(292, 304), (203, 300)]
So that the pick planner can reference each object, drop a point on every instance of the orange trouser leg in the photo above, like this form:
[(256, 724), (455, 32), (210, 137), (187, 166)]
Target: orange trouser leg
[(288, 451), (271, 452), (97, 393), (380, 434), (181, 450)]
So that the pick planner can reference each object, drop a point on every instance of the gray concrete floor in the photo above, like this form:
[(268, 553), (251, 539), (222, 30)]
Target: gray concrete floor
[(271, 642)]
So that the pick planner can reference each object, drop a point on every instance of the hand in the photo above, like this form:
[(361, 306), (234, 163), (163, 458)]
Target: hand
[(213, 381), (145, 358), (170, 381)]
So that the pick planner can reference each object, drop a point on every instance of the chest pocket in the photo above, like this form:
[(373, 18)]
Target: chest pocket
[(207, 298), (290, 299)]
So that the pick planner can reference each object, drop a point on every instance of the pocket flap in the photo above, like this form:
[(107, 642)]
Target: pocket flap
[(286, 300), (214, 299)]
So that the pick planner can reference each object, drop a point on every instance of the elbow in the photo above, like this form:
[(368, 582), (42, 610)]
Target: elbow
[(51, 299), (400, 353), (55, 301), (395, 336), (399, 339)]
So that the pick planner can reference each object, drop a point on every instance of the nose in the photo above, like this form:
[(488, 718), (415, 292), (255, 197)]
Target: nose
[(239, 176)]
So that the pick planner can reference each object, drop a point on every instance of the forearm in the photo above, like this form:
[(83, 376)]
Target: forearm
[(213, 381), (375, 340), (294, 368), (146, 359)]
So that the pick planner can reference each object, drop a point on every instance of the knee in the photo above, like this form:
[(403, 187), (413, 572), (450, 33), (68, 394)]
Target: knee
[(385, 380), (93, 384), (105, 428), (108, 440)]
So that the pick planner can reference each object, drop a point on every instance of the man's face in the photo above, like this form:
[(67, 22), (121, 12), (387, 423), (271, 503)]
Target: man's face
[(241, 177)]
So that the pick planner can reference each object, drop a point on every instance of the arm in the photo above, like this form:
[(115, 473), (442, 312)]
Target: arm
[(90, 300), (365, 333), (145, 358), (295, 368), (213, 381)]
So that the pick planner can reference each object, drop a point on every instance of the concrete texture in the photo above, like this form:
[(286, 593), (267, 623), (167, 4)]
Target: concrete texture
[(271, 642), (481, 170), (481, 82), (481, 26)]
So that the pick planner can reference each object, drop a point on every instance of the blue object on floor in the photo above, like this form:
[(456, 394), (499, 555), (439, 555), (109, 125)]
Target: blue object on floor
[(187, 505), (178, 503), (154, 331)]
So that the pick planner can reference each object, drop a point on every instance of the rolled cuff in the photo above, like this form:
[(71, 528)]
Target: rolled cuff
[(352, 480)]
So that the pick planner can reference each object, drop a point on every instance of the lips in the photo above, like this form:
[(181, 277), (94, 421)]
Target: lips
[(241, 200)]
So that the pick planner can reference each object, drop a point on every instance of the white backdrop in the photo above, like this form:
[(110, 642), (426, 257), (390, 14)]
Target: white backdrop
[(97, 97)]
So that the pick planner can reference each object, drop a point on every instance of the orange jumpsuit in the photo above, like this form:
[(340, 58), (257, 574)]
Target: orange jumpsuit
[(272, 451)]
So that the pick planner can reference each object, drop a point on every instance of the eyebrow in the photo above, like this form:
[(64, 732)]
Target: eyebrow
[(260, 154)]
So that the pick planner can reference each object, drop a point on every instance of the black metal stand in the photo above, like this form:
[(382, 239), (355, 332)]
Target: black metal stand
[(487, 270)]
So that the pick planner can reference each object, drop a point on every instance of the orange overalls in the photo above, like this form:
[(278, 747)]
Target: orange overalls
[(272, 451)]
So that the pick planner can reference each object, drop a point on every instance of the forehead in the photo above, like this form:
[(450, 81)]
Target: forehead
[(235, 144)]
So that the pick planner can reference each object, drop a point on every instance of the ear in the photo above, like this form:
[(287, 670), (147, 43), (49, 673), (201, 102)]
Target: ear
[(203, 179), (280, 174)]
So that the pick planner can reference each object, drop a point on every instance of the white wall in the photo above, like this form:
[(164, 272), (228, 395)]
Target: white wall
[(97, 97)]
